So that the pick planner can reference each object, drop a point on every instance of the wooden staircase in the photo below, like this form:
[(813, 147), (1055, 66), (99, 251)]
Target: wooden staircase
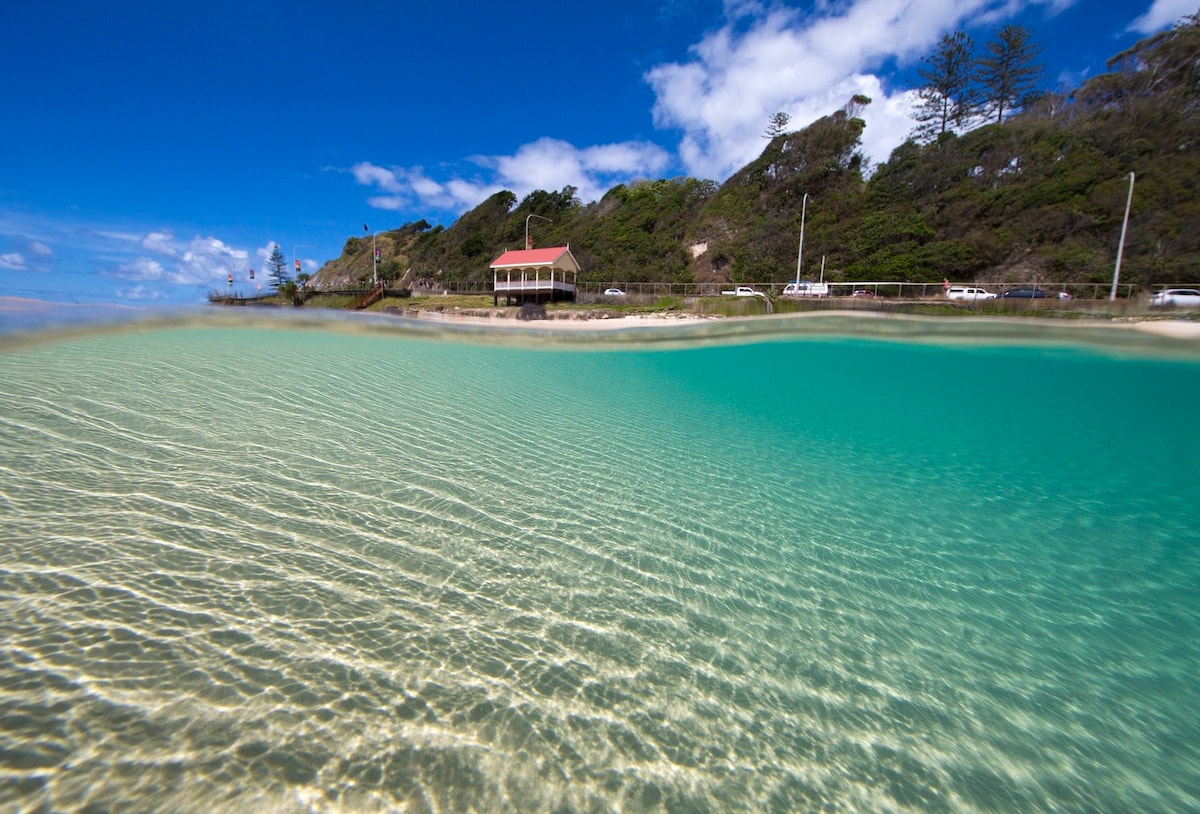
[(371, 296)]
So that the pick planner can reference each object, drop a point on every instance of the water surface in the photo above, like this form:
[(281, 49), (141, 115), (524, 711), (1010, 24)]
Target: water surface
[(277, 566)]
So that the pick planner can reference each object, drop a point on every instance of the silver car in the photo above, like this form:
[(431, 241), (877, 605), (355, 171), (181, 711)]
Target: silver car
[(1178, 297)]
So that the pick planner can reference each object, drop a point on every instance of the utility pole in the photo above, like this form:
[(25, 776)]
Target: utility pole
[(1112, 297), (800, 254)]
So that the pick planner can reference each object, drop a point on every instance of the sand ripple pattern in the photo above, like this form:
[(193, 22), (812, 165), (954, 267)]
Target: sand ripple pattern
[(303, 571)]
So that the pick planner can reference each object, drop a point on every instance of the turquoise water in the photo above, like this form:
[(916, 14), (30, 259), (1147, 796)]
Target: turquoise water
[(299, 567)]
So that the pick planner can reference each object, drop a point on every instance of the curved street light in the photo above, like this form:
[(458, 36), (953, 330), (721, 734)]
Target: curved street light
[(527, 217)]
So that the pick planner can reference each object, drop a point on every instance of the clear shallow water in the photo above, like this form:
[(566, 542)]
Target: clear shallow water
[(272, 567)]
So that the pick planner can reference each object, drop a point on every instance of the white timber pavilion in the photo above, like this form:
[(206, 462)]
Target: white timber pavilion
[(534, 275)]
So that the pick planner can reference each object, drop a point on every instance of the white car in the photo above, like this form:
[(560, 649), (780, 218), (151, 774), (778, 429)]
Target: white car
[(962, 292), (613, 292), (1179, 297)]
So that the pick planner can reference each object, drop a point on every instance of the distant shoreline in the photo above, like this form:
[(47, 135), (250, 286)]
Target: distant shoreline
[(27, 314)]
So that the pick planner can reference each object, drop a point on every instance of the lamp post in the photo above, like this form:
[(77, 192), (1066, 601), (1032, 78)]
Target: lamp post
[(1112, 297), (800, 253), (527, 217), (374, 261)]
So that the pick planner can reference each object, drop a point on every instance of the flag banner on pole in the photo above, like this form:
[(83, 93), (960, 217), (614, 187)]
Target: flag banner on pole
[(365, 229)]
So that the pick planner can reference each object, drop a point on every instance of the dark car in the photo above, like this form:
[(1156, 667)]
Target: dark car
[(1024, 294)]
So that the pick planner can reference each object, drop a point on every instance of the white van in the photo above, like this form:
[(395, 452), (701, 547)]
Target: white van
[(960, 292), (804, 288)]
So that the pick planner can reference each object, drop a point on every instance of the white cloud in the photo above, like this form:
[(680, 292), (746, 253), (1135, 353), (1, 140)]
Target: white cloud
[(201, 261), (389, 203), (141, 268), (552, 164), (547, 163), (806, 65), (39, 248), (1161, 14), (13, 261), (368, 174), (160, 243), (208, 259)]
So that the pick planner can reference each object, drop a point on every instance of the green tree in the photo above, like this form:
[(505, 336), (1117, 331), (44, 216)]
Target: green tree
[(1008, 74), (777, 125), (949, 97), (277, 264)]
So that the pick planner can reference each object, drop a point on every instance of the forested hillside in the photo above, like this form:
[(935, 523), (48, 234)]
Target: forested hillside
[(1039, 195)]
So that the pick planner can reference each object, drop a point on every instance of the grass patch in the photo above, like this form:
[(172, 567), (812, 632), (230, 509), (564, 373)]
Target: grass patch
[(330, 301), (434, 302), (726, 306)]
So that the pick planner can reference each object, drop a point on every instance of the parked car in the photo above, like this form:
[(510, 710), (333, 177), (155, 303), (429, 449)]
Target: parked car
[(744, 291), (805, 288), (961, 292), (862, 292), (613, 292), (1024, 294), (1178, 297)]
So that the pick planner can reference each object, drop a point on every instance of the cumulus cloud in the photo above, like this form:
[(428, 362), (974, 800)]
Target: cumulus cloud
[(368, 174), (141, 268), (160, 243), (547, 163), (769, 59), (1161, 14), (207, 259), (200, 261)]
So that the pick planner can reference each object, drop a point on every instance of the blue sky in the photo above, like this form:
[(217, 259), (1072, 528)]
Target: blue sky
[(149, 149)]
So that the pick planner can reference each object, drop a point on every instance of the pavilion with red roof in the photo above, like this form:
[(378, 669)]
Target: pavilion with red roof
[(534, 275)]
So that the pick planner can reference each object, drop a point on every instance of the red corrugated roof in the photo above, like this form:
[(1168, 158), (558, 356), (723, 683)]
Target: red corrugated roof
[(530, 257)]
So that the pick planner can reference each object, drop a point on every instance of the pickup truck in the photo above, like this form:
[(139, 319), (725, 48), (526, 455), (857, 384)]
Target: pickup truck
[(744, 291), (806, 289)]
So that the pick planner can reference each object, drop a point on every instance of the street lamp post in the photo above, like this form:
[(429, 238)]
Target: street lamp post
[(1112, 297), (374, 262), (800, 253), (527, 217)]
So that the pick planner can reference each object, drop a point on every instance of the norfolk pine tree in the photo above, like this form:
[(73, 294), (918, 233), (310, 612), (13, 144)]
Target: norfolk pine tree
[(1008, 73), (278, 265), (777, 126), (948, 98)]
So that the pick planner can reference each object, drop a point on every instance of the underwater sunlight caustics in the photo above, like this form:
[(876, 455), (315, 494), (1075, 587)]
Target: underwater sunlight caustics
[(265, 565)]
